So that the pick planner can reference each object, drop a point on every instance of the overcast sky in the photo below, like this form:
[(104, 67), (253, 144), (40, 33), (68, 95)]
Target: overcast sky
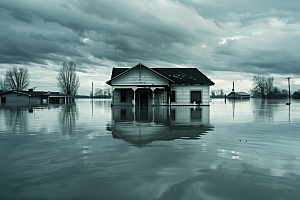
[(228, 42)]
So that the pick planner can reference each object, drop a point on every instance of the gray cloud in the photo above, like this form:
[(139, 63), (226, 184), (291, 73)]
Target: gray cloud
[(248, 37)]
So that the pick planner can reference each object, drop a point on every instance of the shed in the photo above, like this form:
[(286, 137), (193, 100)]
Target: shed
[(238, 95), (34, 97)]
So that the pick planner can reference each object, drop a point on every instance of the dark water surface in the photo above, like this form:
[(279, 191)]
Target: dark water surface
[(235, 150)]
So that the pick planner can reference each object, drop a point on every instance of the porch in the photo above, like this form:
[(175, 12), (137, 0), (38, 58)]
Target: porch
[(141, 96)]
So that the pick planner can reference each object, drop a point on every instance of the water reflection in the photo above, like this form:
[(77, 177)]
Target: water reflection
[(16, 119), (142, 125), (68, 117), (264, 109), (32, 119)]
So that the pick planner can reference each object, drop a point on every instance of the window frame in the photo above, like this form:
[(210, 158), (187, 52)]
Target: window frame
[(194, 91)]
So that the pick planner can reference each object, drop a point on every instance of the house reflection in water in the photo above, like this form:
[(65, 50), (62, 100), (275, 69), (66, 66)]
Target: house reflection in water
[(142, 125)]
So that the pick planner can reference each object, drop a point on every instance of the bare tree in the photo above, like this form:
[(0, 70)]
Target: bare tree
[(262, 85), (17, 78), (67, 79), (213, 93), (98, 92), (221, 92), (3, 85)]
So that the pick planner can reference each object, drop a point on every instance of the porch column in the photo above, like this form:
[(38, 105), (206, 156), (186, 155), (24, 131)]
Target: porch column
[(170, 96), (133, 101), (153, 89), (153, 115), (65, 100)]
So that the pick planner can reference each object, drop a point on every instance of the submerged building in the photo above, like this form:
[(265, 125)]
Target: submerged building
[(238, 95), (31, 97), (141, 85)]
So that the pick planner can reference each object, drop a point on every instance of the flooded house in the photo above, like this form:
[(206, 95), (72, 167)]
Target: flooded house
[(238, 95), (31, 97), (144, 86)]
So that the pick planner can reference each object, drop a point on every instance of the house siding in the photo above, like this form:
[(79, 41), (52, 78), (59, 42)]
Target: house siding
[(14, 98), (140, 76), (117, 97), (183, 94)]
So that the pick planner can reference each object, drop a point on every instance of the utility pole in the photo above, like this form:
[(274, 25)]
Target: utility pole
[(289, 91), (233, 89), (92, 90)]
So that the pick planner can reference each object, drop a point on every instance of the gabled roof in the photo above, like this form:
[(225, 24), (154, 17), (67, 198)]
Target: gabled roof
[(176, 75), (122, 71)]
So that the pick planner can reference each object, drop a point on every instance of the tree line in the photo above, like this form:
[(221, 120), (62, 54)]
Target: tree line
[(17, 79), (102, 93), (217, 93), (263, 87)]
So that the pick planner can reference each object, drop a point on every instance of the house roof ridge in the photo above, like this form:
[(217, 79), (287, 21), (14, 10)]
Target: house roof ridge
[(177, 75)]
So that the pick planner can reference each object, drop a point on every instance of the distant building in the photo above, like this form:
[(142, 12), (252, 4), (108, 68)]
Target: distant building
[(238, 95), (141, 85), (31, 97)]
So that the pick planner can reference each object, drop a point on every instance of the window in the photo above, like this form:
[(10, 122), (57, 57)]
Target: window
[(173, 96), (123, 95), (196, 97)]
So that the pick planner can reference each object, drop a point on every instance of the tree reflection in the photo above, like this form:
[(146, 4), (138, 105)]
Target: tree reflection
[(68, 117), (15, 119), (264, 109)]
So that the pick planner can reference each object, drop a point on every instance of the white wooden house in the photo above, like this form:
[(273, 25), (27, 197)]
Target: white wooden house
[(141, 85)]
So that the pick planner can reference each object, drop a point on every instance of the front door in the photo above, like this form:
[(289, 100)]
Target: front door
[(144, 97)]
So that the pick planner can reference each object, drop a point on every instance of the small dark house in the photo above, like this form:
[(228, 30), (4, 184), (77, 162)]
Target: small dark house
[(31, 97), (238, 95)]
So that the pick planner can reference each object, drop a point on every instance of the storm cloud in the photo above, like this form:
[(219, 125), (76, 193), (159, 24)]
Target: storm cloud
[(236, 38)]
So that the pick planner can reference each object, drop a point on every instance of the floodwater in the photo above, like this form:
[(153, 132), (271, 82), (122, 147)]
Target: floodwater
[(232, 150)]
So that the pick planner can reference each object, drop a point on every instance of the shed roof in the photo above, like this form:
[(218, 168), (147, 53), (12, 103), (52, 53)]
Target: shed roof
[(239, 93), (37, 93), (242, 93), (177, 75)]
